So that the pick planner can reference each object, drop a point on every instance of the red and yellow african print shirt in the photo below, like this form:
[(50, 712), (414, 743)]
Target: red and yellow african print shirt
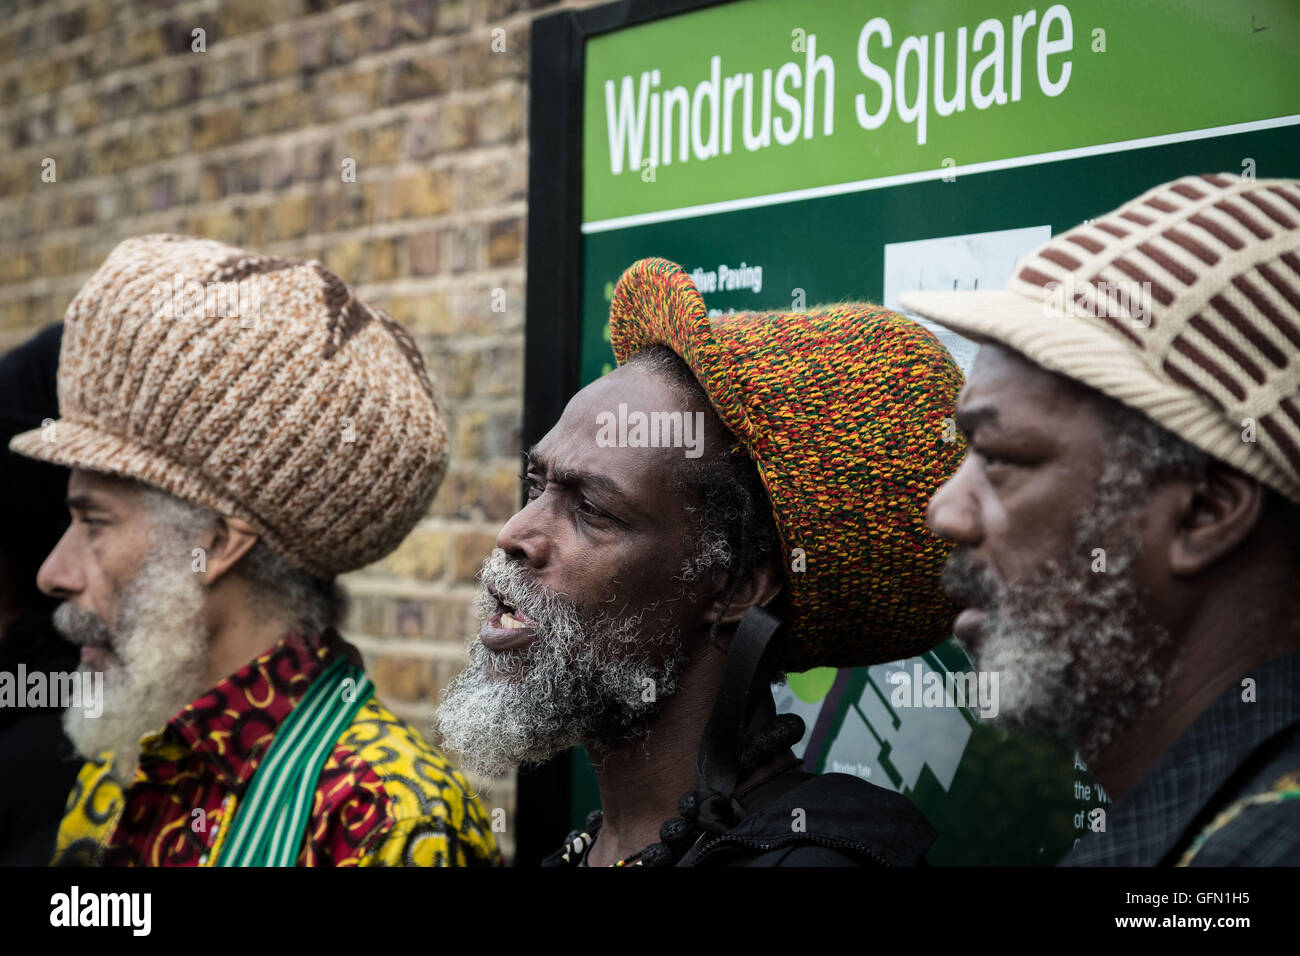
[(384, 797)]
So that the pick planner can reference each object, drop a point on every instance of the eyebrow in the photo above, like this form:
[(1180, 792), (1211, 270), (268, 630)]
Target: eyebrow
[(968, 419), (87, 501), (576, 478)]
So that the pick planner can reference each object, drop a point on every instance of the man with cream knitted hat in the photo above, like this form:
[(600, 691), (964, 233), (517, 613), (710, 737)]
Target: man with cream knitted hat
[(1127, 519), (240, 431)]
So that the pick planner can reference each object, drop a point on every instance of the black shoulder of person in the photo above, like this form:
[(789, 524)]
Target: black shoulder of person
[(831, 819)]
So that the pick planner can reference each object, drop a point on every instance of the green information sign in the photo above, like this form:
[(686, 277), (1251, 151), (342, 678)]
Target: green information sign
[(789, 154)]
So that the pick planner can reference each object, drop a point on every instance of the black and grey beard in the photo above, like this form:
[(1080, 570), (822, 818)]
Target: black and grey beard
[(1074, 652), (586, 678)]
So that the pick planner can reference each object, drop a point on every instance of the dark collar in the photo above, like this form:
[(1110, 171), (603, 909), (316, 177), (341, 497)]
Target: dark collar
[(1153, 818)]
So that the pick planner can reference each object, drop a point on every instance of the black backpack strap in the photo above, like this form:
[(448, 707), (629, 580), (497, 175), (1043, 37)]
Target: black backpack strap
[(751, 662)]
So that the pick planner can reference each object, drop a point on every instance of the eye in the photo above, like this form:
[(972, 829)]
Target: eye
[(532, 486), (1015, 463), (992, 459), (590, 515)]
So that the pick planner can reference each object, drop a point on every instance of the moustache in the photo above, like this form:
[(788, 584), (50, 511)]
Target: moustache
[(965, 581), (505, 582), (81, 626)]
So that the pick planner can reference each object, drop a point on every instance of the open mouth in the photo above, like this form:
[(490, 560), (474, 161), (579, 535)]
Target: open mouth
[(96, 654), (507, 627), (968, 626), (507, 619)]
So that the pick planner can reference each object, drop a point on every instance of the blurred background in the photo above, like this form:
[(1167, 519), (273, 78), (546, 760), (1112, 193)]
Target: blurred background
[(387, 139)]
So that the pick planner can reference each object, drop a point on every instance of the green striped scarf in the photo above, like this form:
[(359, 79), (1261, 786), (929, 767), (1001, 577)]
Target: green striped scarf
[(271, 819)]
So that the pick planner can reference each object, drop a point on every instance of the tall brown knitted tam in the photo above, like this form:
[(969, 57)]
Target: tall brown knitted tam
[(256, 386)]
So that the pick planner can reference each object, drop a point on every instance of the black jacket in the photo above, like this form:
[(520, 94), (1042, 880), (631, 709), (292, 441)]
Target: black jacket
[(831, 819), (1237, 751), (38, 764)]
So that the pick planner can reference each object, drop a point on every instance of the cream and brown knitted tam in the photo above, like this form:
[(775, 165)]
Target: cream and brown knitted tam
[(256, 386), (1183, 303)]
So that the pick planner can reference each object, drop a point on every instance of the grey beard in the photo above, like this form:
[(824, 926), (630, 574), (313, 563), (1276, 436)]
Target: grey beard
[(161, 639), (1074, 653), (587, 678)]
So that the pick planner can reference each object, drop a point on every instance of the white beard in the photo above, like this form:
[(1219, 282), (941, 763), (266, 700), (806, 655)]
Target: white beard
[(1073, 657), (158, 661), (582, 680)]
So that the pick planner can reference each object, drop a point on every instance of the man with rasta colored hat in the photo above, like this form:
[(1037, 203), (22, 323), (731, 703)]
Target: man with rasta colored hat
[(742, 497), (240, 430), (1127, 519)]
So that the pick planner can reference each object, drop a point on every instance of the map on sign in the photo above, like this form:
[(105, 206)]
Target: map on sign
[(880, 723), (974, 261), (882, 743)]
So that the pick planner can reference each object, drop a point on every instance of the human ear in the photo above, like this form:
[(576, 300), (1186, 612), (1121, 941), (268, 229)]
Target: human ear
[(231, 539), (1218, 514), (759, 587)]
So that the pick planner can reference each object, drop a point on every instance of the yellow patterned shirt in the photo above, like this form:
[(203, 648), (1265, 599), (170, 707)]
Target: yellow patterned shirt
[(385, 797)]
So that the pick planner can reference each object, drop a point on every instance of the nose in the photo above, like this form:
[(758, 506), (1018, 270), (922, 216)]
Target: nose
[(953, 513), (523, 539), (60, 574)]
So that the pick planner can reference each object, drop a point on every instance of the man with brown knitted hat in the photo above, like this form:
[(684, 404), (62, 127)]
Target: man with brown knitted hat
[(742, 496), (240, 430), (1127, 519)]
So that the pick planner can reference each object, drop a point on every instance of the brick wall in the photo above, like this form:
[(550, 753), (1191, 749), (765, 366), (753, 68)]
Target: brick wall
[(114, 125)]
